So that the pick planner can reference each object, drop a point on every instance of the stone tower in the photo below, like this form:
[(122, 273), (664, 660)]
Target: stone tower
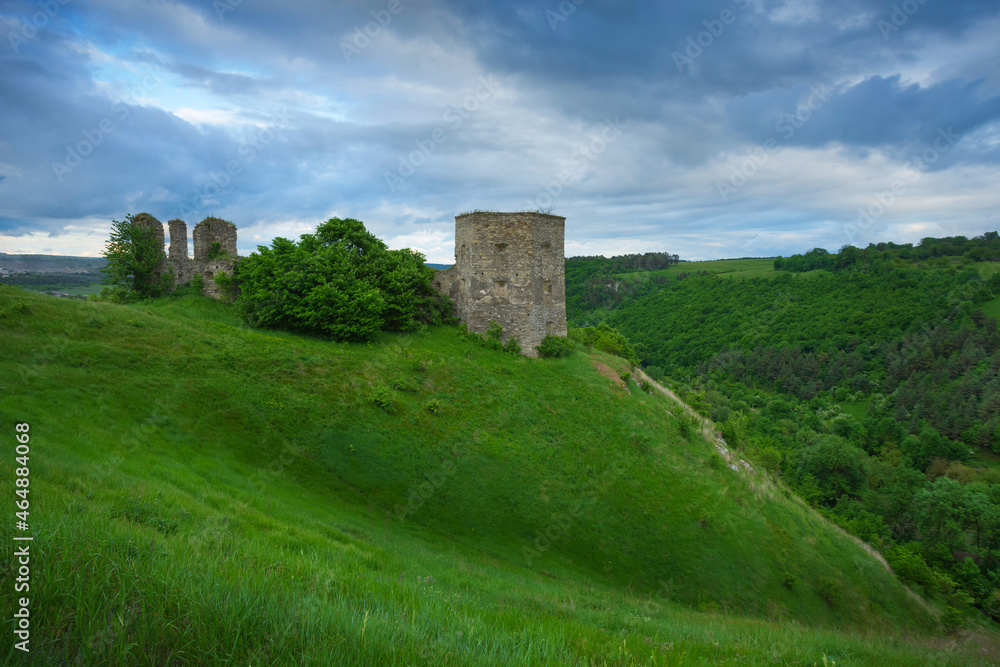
[(178, 258), (509, 267)]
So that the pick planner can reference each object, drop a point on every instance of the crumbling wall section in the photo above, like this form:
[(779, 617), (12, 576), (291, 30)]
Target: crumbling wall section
[(209, 259), (178, 259), (214, 230)]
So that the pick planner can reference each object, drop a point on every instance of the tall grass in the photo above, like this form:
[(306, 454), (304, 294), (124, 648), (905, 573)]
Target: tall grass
[(202, 493)]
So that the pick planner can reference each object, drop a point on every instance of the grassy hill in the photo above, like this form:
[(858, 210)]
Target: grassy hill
[(203, 493)]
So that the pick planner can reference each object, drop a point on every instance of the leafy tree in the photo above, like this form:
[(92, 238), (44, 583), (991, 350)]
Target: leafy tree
[(133, 254), (554, 346), (608, 339), (838, 467), (341, 282), (941, 512)]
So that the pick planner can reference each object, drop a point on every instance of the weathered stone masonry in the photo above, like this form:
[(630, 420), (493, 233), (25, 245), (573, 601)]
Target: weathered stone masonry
[(509, 267), (206, 233)]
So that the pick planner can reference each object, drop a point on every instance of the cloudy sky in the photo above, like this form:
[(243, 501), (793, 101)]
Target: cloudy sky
[(709, 129)]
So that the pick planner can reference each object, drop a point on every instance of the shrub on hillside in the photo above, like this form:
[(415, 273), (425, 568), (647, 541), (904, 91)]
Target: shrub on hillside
[(342, 282), (228, 284), (554, 346), (607, 339), (656, 373), (492, 339), (492, 336)]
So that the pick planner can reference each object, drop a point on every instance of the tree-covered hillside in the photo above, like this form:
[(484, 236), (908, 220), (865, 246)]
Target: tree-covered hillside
[(871, 385)]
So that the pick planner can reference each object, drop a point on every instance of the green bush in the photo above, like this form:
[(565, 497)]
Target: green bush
[(554, 346), (215, 251), (492, 336), (403, 384), (607, 339), (838, 467), (769, 458), (198, 282), (341, 282), (513, 346), (992, 605), (382, 397), (228, 284), (687, 425), (951, 619), (827, 588)]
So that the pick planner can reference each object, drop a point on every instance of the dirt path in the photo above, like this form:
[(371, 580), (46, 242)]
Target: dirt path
[(712, 435)]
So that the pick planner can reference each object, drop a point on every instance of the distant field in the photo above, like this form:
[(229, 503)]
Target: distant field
[(729, 268), (67, 283), (987, 270), (81, 290)]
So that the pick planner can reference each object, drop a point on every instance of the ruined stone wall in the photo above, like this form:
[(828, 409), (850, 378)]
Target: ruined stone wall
[(214, 230), (208, 231), (178, 259), (509, 267)]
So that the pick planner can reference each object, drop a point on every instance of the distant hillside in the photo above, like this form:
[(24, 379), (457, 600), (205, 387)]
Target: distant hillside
[(211, 493), (868, 379), (51, 263)]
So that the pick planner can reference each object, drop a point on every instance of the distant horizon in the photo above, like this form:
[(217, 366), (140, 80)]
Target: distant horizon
[(451, 263)]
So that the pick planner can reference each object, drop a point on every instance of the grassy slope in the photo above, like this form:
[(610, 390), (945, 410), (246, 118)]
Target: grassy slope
[(203, 492)]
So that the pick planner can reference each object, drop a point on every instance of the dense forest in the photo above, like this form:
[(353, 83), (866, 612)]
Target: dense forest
[(871, 386), (884, 257), (594, 283)]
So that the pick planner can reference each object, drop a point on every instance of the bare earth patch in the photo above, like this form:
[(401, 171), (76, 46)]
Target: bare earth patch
[(609, 373)]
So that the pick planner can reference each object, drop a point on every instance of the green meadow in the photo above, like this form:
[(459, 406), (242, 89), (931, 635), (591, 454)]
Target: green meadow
[(206, 493)]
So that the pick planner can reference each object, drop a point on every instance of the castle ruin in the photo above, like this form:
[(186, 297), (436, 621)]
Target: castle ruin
[(214, 250), (509, 267)]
